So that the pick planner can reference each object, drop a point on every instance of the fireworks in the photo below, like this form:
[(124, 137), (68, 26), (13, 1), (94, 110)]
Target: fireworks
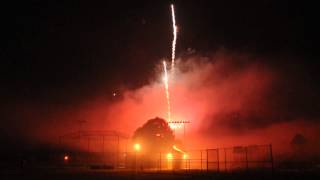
[(166, 85), (174, 38), (166, 78)]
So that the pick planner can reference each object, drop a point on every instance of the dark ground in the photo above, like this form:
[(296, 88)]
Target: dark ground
[(83, 174)]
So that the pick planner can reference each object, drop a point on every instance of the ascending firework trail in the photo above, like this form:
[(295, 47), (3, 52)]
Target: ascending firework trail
[(166, 85), (166, 77), (174, 38)]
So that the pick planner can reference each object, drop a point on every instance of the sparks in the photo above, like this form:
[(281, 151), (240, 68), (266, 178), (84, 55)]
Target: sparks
[(174, 38), (177, 149), (184, 156), (166, 85)]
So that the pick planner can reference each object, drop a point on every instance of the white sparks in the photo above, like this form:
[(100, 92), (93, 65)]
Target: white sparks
[(166, 85), (174, 38)]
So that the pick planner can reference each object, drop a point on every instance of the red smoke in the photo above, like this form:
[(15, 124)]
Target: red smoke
[(226, 97)]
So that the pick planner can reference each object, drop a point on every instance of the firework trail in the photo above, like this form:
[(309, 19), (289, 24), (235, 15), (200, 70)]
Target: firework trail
[(166, 78), (166, 85), (174, 38)]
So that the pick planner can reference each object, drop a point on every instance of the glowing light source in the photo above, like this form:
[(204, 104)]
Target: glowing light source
[(174, 37), (66, 158), (185, 156), (175, 125), (137, 147), (169, 156)]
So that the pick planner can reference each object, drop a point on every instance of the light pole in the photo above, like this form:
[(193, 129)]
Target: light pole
[(137, 148)]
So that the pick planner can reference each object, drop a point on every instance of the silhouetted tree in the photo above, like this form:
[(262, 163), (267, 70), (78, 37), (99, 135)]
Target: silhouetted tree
[(298, 144), (155, 136)]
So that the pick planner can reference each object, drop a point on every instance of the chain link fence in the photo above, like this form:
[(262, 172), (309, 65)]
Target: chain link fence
[(221, 159)]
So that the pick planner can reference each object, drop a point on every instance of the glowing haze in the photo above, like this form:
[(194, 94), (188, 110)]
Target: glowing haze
[(228, 98), (166, 85)]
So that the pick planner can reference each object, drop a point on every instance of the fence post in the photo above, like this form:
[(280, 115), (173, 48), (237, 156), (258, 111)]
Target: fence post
[(201, 159), (103, 151), (160, 162), (207, 161), (247, 163), (218, 160), (103, 145), (88, 159), (135, 162), (225, 159), (271, 157), (186, 165), (118, 151)]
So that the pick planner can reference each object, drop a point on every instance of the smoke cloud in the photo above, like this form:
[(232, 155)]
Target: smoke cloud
[(229, 98)]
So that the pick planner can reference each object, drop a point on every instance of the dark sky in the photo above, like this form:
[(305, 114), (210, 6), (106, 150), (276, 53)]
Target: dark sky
[(64, 52)]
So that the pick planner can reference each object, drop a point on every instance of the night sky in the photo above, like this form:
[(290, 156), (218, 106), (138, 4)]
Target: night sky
[(59, 54)]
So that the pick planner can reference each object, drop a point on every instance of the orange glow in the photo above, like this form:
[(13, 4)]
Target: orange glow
[(175, 125), (169, 156), (205, 93), (66, 157), (185, 156), (177, 149), (137, 147)]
